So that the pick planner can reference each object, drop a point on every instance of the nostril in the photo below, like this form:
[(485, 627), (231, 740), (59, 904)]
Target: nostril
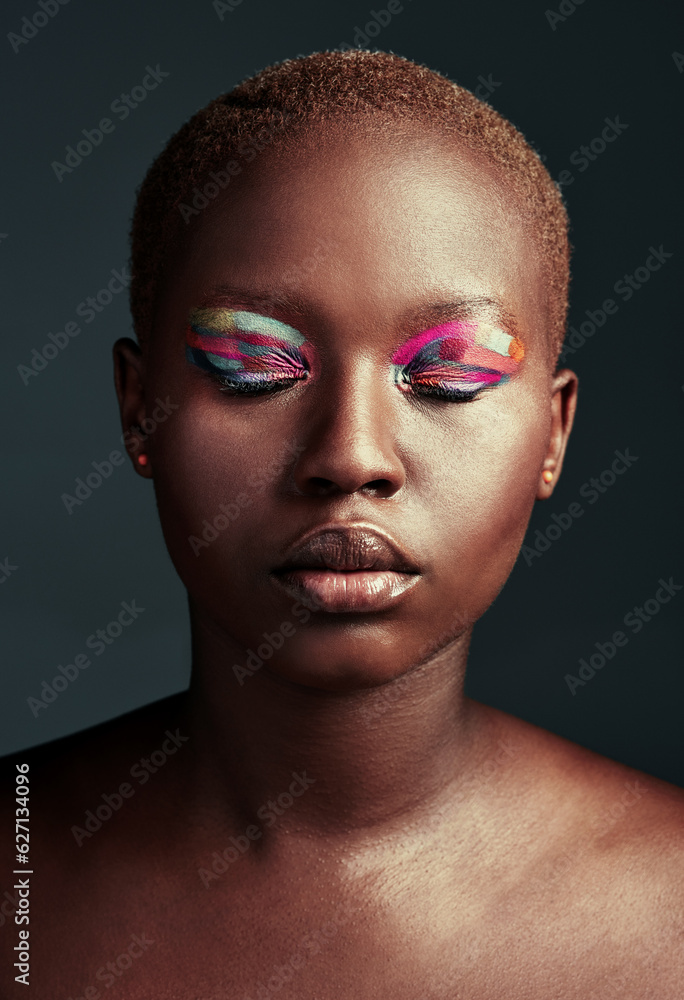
[(322, 487), (379, 488)]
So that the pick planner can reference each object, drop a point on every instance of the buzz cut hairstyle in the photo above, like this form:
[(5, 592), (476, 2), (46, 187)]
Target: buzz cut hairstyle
[(366, 91)]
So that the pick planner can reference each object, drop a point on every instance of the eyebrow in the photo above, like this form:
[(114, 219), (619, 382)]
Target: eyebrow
[(419, 317), (484, 307), (250, 301)]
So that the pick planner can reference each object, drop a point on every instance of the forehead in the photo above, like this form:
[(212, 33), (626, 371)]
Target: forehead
[(369, 225)]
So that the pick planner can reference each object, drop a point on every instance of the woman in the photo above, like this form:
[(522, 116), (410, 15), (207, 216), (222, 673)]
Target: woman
[(350, 288)]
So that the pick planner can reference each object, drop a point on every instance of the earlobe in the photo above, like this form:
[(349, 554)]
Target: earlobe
[(129, 381), (563, 405)]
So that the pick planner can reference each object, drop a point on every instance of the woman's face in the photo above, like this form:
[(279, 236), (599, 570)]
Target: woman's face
[(395, 276)]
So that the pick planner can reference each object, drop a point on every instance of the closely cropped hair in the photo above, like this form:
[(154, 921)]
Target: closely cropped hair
[(366, 91)]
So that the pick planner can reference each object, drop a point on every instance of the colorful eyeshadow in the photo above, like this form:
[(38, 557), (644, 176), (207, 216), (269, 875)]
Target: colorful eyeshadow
[(457, 359), (245, 349)]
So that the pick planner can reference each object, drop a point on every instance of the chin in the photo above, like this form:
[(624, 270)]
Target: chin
[(348, 660)]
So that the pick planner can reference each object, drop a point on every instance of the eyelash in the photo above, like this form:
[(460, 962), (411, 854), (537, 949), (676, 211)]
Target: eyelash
[(426, 375), (271, 386), (250, 383), (447, 396), (407, 379), (436, 390), (268, 386)]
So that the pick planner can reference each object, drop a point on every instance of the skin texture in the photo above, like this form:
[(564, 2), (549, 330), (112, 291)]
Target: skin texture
[(370, 454), (440, 849)]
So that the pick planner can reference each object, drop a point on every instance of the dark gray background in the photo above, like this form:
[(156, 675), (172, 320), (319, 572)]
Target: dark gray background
[(63, 238)]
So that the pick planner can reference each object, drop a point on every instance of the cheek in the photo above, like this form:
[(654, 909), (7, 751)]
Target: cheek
[(217, 472), (206, 477), (481, 484)]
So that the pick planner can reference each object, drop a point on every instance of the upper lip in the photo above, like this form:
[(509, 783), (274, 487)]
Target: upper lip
[(346, 548)]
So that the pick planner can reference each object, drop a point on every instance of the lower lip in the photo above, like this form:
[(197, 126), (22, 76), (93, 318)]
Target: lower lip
[(360, 590)]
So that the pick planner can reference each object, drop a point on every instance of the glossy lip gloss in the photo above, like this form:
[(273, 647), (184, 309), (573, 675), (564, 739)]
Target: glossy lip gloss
[(356, 590), (347, 567)]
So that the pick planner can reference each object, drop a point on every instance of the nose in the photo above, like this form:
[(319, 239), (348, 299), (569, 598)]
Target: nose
[(349, 441)]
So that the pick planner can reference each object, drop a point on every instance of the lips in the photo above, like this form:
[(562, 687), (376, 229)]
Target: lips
[(347, 568)]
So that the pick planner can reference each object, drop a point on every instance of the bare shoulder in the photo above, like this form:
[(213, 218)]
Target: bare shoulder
[(611, 797), (603, 857)]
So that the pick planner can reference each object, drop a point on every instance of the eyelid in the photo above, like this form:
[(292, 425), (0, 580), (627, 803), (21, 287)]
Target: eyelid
[(454, 373), (232, 370), (233, 322), (455, 389), (229, 344), (246, 347), (457, 359), (473, 342)]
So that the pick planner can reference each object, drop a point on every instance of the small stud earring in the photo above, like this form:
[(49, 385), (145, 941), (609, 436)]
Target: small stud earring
[(143, 459), (547, 475)]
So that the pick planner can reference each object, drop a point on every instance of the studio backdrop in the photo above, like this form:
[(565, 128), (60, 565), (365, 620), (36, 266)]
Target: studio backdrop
[(585, 639)]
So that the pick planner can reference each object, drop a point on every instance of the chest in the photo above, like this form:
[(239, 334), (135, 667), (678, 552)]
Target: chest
[(307, 935)]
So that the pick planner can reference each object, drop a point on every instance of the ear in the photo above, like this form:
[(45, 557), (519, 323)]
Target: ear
[(129, 379), (563, 404)]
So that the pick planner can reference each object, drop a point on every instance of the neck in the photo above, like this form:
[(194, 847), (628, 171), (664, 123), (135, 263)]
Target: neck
[(359, 759)]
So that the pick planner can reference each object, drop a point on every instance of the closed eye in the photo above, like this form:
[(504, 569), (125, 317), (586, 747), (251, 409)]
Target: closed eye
[(453, 383), (263, 373), (443, 392), (245, 353), (268, 384), (457, 361)]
